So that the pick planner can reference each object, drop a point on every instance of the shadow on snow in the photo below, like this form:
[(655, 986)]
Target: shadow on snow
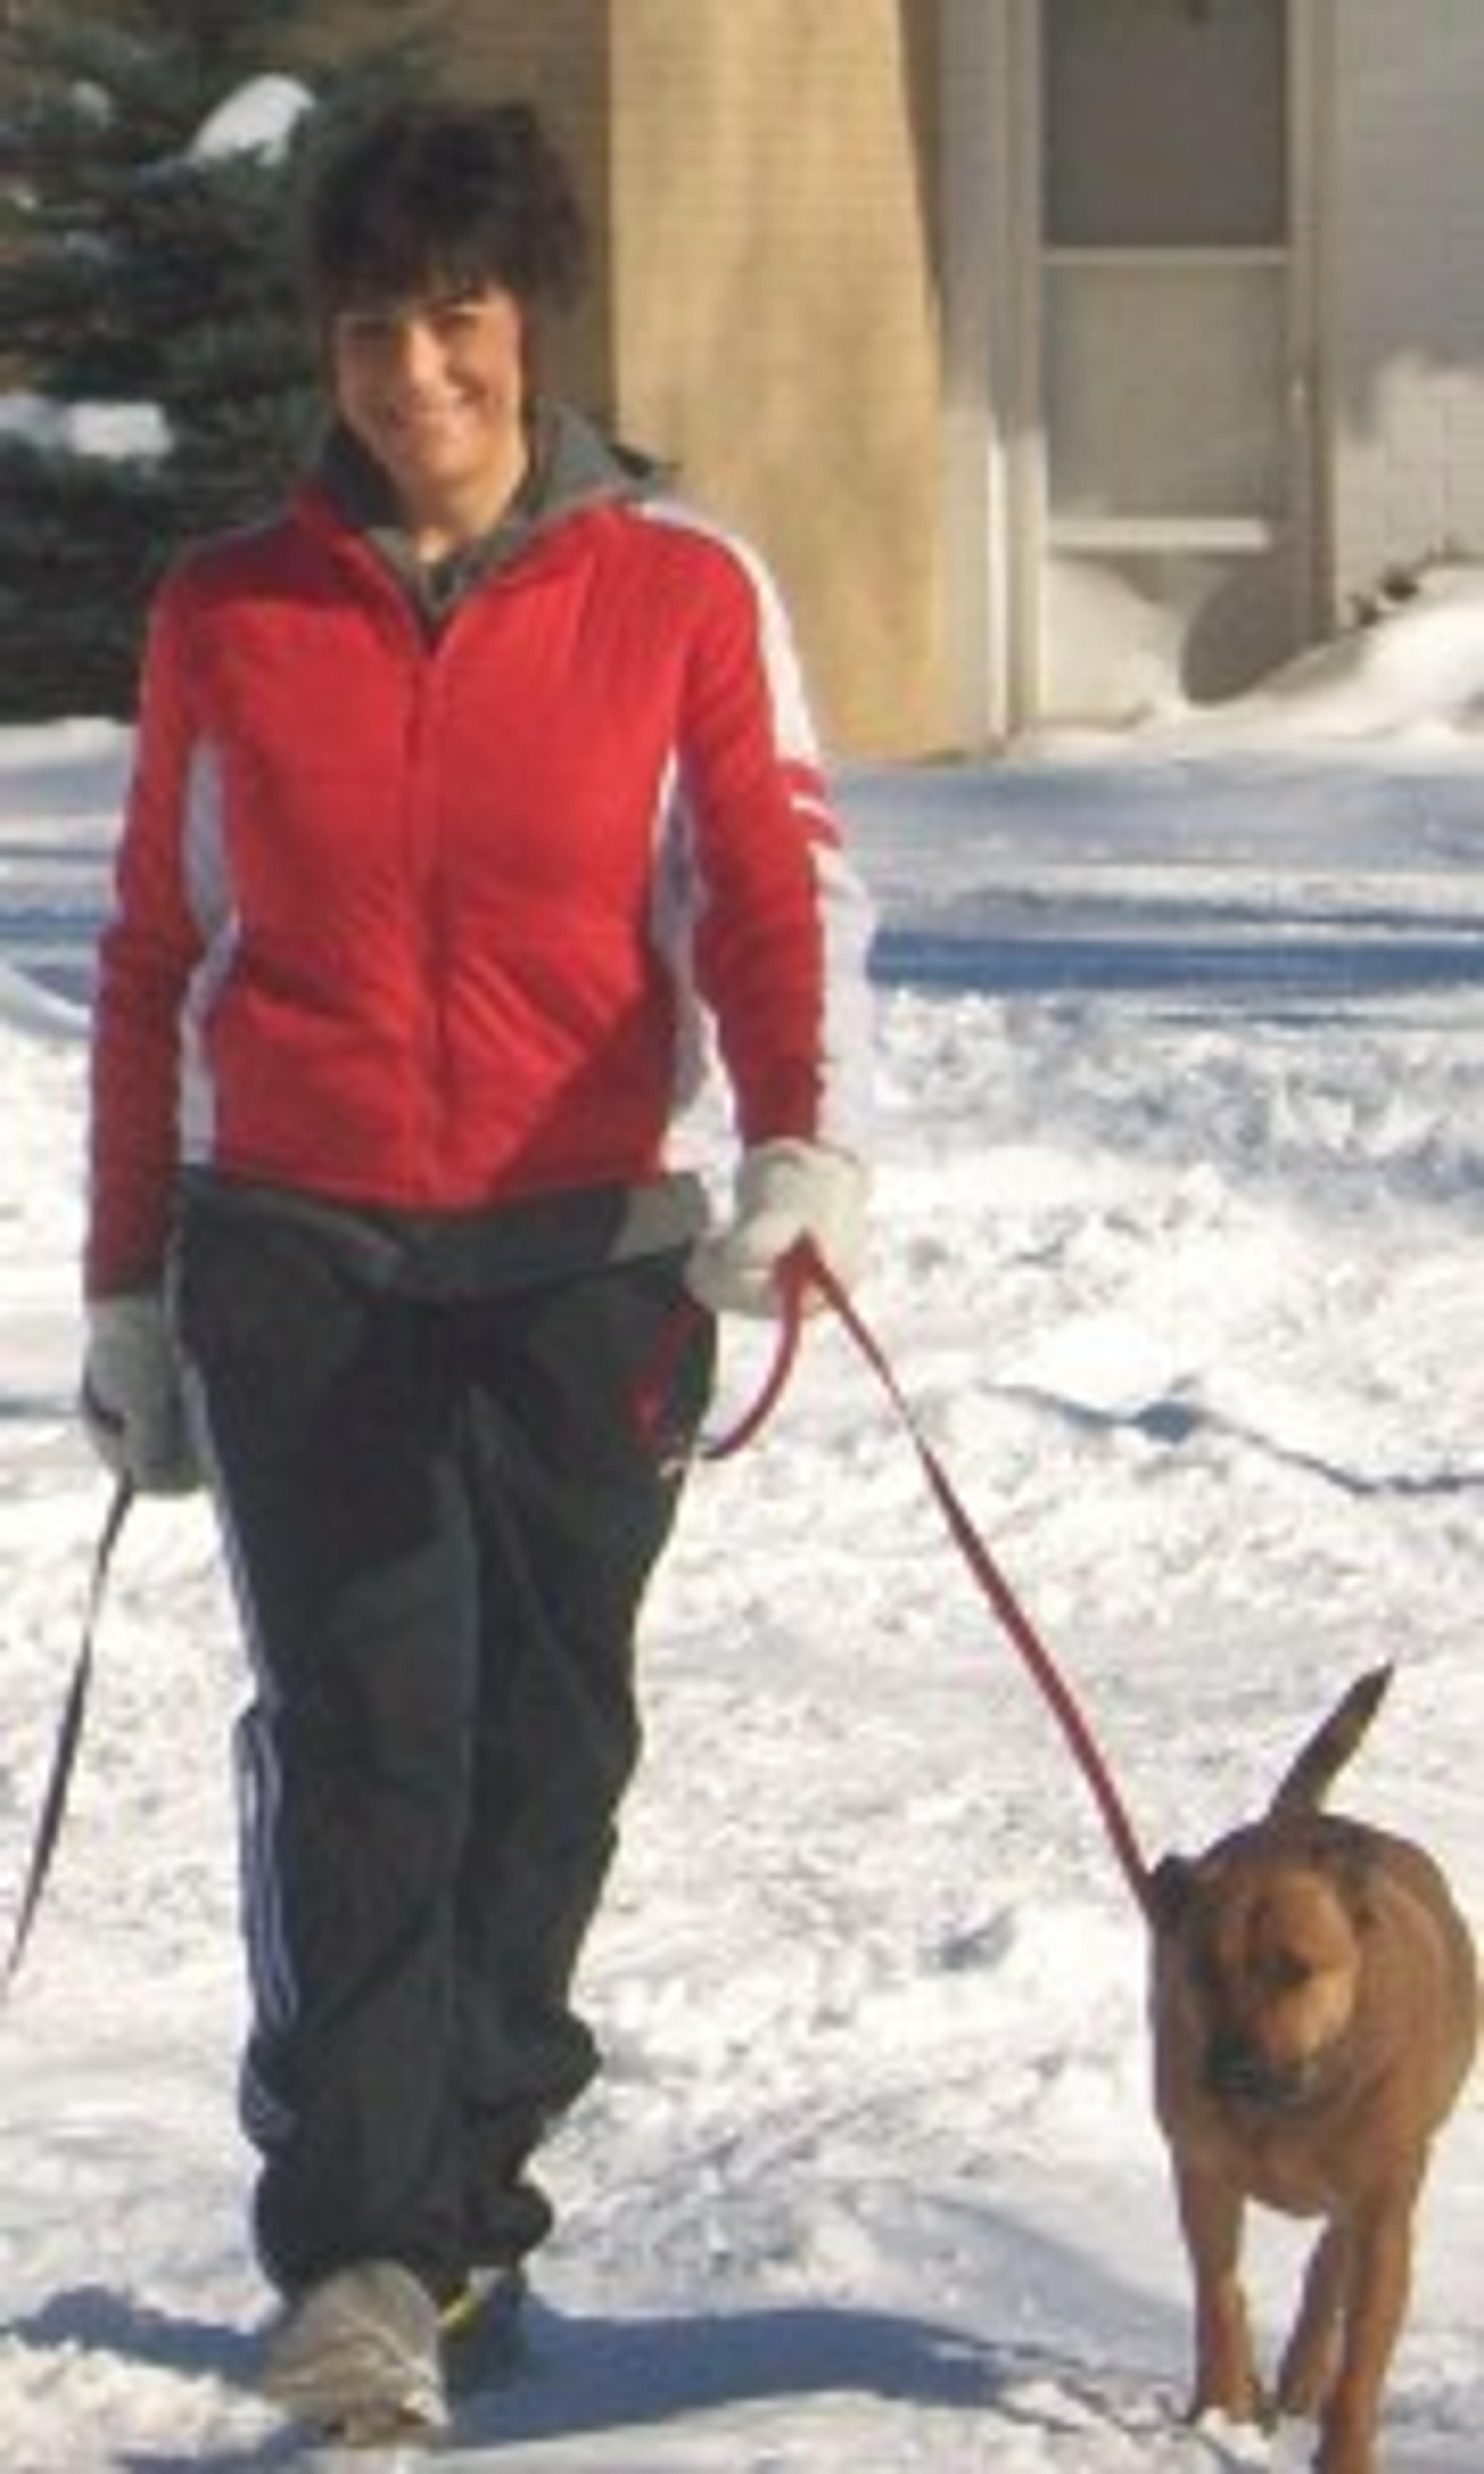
[(591, 2375), (1287, 970)]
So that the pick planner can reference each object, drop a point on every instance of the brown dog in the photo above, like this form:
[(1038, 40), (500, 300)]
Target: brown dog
[(1316, 2009)]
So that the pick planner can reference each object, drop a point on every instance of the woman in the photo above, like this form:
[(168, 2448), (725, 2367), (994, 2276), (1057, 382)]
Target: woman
[(456, 782)]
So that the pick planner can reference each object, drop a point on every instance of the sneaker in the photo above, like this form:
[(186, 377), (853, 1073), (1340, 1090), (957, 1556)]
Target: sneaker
[(357, 2357)]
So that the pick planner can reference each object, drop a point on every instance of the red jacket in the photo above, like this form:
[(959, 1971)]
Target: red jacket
[(415, 923)]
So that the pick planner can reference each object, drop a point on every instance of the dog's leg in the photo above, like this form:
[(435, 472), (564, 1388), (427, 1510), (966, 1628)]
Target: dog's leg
[(1312, 2351), (1226, 2378), (1380, 2266)]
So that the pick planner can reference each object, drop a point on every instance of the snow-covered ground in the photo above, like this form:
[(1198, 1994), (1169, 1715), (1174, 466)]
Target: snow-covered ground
[(1178, 1258)]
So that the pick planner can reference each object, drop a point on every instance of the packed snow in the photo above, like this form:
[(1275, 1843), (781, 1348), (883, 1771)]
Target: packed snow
[(1179, 1200)]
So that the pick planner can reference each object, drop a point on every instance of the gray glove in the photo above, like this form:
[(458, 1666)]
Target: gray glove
[(785, 1191), (132, 1404)]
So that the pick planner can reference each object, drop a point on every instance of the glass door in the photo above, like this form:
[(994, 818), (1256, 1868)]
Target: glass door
[(1174, 419)]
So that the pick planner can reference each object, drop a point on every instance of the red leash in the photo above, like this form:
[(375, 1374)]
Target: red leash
[(801, 1270), (651, 1401)]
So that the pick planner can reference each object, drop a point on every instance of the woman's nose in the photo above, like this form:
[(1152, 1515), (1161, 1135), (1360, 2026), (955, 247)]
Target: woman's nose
[(419, 355)]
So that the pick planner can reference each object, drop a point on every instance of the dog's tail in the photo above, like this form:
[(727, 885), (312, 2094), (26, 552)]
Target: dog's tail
[(1306, 1782)]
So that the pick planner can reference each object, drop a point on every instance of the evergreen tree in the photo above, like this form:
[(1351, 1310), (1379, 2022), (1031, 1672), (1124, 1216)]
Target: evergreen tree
[(149, 155)]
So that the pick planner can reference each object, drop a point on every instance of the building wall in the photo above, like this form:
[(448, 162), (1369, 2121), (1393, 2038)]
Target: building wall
[(773, 321), (1406, 291)]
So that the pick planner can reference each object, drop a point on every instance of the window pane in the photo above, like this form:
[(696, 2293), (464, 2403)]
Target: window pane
[(1165, 390), (1164, 123)]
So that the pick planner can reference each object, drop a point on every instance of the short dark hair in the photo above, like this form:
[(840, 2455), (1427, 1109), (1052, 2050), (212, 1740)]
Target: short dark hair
[(467, 195)]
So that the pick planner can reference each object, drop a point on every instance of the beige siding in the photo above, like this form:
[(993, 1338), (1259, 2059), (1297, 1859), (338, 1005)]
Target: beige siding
[(772, 323)]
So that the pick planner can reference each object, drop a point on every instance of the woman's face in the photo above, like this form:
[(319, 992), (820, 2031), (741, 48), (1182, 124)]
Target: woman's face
[(433, 386)]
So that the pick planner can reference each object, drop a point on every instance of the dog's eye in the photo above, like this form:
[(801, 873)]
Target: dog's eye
[(1288, 1973)]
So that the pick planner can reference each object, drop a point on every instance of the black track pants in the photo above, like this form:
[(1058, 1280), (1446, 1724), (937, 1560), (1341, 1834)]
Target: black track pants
[(441, 1517)]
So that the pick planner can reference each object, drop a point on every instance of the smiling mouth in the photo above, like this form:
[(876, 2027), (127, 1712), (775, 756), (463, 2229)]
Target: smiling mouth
[(426, 424)]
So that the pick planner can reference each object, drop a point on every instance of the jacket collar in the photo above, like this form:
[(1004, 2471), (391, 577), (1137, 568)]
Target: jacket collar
[(573, 468)]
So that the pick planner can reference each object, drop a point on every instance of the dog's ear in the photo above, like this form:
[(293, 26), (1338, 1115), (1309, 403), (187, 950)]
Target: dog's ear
[(1169, 1888)]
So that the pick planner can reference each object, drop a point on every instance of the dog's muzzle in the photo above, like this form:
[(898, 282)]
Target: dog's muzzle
[(1233, 2070)]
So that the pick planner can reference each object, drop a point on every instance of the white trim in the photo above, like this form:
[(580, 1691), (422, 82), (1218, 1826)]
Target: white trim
[(1142, 534), (1026, 530), (209, 892), (795, 737), (975, 222), (675, 908), (1164, 253), (1311, 295)]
